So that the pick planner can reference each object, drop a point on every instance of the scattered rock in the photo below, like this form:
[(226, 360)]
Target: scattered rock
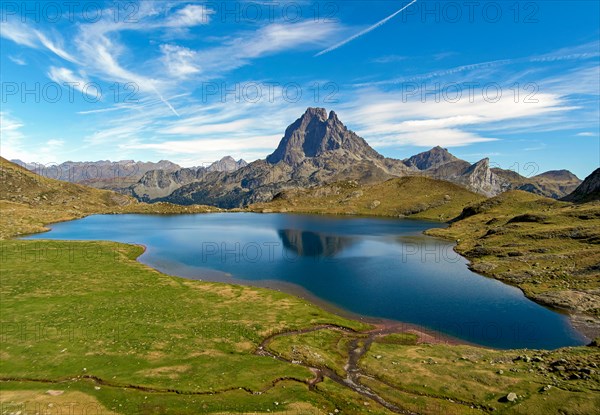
[(374, 204), (511, 397)]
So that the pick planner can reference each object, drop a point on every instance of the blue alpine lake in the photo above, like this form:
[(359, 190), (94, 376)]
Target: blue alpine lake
[(380, 268)]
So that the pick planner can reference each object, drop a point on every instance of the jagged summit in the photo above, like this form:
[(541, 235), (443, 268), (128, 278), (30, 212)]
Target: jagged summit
[(317, 134)]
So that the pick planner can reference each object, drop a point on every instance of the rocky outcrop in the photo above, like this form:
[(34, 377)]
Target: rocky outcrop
[(479, 178), (587, 191)]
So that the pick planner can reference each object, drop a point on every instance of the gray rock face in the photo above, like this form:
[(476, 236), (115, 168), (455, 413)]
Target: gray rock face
[(315, 134), (554, 184), (160, 183), (480, 179), (587, 191)]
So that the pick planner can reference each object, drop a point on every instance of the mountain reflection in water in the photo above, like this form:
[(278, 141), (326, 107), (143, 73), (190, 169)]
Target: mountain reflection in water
[(313, 244)]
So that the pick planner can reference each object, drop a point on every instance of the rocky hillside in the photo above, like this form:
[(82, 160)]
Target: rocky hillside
[(588, 191), (23, 193), (318, 135), (316, 150), (431, 159), (227, 163), (158, 184)]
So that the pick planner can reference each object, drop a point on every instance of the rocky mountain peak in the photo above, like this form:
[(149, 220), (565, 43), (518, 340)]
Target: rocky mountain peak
[(318, 135), (433, 158), (319, 113), (481, 179), (227, 163)]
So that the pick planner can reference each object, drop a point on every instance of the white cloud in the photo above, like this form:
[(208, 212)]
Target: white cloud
[(273, 38), (24, 35), (17, 60), (66, 77), (179, 60), (188, 16), (587, 134)]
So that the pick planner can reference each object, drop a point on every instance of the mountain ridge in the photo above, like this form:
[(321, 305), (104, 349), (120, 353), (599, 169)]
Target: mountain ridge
[(317, 149)]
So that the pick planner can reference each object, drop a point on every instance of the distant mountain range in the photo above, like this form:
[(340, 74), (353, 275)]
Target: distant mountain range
[(99, 174), (118, 175), (316, 149)]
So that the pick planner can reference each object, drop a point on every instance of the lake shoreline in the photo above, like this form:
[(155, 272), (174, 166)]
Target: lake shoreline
[(298, 291)]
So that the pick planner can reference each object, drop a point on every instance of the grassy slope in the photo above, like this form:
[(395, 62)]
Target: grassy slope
[(29, 201), (442, 379), (553, 256), (415, 197), (75, 310), (156, 344)]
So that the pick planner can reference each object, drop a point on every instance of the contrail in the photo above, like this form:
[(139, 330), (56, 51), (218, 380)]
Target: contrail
[(364, 32), (167, 103)]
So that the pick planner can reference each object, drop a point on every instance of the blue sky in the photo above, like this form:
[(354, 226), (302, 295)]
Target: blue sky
[(518, 82)]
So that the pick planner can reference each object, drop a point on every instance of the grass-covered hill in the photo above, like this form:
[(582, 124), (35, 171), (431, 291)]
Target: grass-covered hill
[(28, 201), (550, 249), (87, 327), (413, 196)]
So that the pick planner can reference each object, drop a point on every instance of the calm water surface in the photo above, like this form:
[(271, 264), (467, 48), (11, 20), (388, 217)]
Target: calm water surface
[(371, 267)]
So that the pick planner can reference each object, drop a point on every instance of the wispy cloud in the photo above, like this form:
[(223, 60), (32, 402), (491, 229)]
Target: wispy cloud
[(390, 59), (66, 76), (17, 60), (387, 119), (584, 52)]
